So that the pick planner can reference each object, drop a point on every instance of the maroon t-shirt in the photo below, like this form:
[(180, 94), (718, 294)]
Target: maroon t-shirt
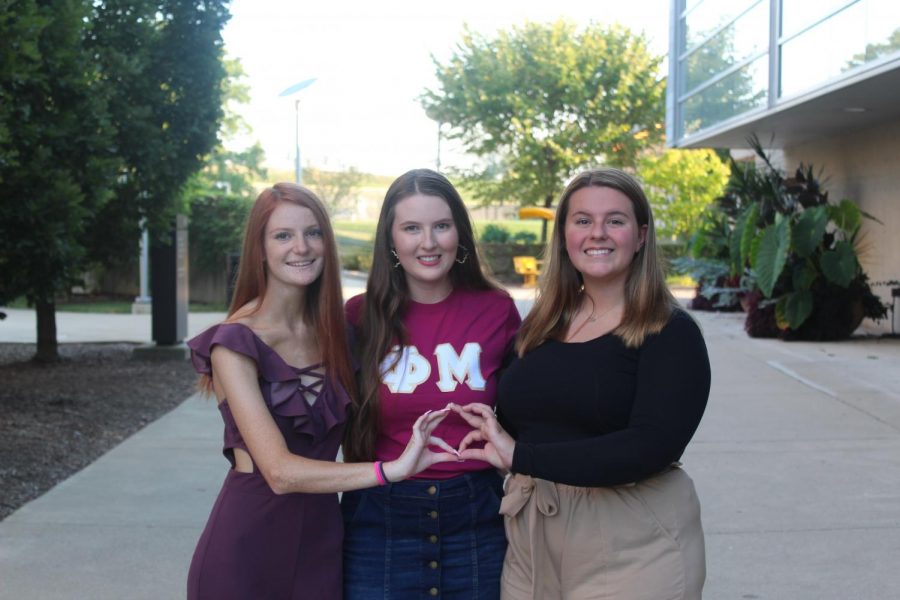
[(455, 349)]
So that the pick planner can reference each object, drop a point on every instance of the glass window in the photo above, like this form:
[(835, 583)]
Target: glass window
[(882, 30), (701, 22), (689, 4), (743, 90), (733, 44), (797, 14), (825, 51)]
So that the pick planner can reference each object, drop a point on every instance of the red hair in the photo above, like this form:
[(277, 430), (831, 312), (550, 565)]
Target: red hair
[(323, 308)]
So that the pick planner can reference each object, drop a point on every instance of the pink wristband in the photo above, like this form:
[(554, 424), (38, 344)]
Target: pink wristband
[(379, 473)]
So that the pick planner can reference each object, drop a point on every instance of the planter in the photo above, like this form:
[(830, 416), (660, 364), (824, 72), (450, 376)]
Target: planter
[(837, 314), (830, 322)]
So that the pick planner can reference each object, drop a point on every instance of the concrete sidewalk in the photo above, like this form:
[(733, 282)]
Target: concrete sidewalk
[(797, 464), (20, 326)]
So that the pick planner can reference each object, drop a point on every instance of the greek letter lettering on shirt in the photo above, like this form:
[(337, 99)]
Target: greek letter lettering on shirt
[(404, 371)]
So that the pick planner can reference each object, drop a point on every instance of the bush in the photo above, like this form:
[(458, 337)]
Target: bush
[(357, 259), (524, 237), (495, 234), (216, 228)]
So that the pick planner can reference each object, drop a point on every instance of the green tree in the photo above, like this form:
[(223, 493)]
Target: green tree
[(165, 60), (107, 109), (680, 185), (542, 101), (226, 170), (55, 159), (220, 195)]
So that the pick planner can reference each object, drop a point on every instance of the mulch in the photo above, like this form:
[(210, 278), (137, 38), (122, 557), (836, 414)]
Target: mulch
[(56, 419)]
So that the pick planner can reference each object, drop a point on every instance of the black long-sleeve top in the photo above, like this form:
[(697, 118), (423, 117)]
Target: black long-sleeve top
[(598, 414)]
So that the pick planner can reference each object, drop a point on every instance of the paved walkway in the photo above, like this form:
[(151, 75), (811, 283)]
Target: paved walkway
[(797, 464)]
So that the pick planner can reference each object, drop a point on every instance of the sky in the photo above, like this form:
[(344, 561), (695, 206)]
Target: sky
[(371, 60)]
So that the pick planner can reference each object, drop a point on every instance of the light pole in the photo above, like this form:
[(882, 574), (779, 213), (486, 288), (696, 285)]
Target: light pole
[(289, 91)]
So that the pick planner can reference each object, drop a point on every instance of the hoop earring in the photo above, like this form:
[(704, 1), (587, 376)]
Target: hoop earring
[(464, 258), (394, 252)]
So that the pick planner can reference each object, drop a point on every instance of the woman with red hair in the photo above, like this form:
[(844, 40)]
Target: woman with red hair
[(280, 369)]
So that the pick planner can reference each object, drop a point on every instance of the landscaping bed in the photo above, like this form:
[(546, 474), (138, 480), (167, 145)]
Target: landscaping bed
[(56, 419)]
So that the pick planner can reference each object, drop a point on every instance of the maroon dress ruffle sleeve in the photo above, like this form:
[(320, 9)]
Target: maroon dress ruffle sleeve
[(257, 544)]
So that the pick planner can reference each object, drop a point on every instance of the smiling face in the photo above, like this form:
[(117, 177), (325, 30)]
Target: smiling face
[(425, 239), (294, 250), (602, 234)]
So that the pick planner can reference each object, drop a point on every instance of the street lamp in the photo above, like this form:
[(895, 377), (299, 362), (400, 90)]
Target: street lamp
[(289, 91)]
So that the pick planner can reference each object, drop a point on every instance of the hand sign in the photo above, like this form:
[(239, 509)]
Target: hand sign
[(498, 445)]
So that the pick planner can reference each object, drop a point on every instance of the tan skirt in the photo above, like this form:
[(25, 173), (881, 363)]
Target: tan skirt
[(636, 541)]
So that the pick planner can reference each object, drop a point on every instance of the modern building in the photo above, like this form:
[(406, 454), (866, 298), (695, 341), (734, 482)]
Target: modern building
[(818, 82)]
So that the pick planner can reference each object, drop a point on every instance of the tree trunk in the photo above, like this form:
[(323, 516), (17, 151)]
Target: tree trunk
[(47, 348)]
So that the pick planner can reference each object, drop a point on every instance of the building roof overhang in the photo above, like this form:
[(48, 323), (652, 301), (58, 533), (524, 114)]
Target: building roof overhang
[(864, 99)]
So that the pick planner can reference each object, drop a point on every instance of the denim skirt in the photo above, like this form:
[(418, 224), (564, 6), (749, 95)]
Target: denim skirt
[(425, 539)]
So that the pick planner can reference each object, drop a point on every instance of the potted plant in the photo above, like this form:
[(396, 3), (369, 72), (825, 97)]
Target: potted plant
[(801, 253)]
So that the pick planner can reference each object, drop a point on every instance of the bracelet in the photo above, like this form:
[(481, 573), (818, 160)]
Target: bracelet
[(379, 473)]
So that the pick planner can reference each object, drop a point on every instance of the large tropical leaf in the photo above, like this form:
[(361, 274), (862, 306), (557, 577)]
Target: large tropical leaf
[(809, 229), (840, 265), (804, 275), (846, 215), (793, 309), (769, 254), (734, 247), (749, 233)]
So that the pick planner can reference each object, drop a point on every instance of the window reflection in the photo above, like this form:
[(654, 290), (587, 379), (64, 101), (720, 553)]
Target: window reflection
[(797, 14), (733, 44), (820, 41), (710, 15), (863, 32), (883, 31), (741, 91)]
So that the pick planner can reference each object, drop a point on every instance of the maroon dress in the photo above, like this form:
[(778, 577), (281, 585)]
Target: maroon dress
[(258, 544)]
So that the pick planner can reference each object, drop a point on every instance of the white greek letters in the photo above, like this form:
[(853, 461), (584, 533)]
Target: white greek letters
[(404, 374), (455, 367), (408, 373)]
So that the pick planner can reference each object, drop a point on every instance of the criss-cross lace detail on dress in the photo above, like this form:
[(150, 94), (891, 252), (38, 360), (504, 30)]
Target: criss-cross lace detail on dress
[(310, 382)]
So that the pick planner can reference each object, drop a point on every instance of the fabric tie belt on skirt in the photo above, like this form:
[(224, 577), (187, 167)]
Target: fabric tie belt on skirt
[(539, 496), (520, 489)]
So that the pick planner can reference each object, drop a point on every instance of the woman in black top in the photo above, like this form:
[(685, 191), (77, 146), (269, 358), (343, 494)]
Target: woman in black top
[(610, 383)]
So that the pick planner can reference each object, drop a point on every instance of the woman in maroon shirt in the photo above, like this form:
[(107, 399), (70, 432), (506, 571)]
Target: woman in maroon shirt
[(433, 330)]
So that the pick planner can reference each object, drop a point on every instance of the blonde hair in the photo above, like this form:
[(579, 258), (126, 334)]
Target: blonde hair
[(648, 301)]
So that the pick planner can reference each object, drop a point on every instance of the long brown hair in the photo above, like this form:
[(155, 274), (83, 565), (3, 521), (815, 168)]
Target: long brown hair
[(648, 301), (323, 302), (387, 296)]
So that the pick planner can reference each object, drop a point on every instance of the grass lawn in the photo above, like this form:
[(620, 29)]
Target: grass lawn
[(354, 234)]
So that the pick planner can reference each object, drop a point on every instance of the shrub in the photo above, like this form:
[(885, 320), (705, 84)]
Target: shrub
[(524, 237), (216, 228), (495, 234)]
